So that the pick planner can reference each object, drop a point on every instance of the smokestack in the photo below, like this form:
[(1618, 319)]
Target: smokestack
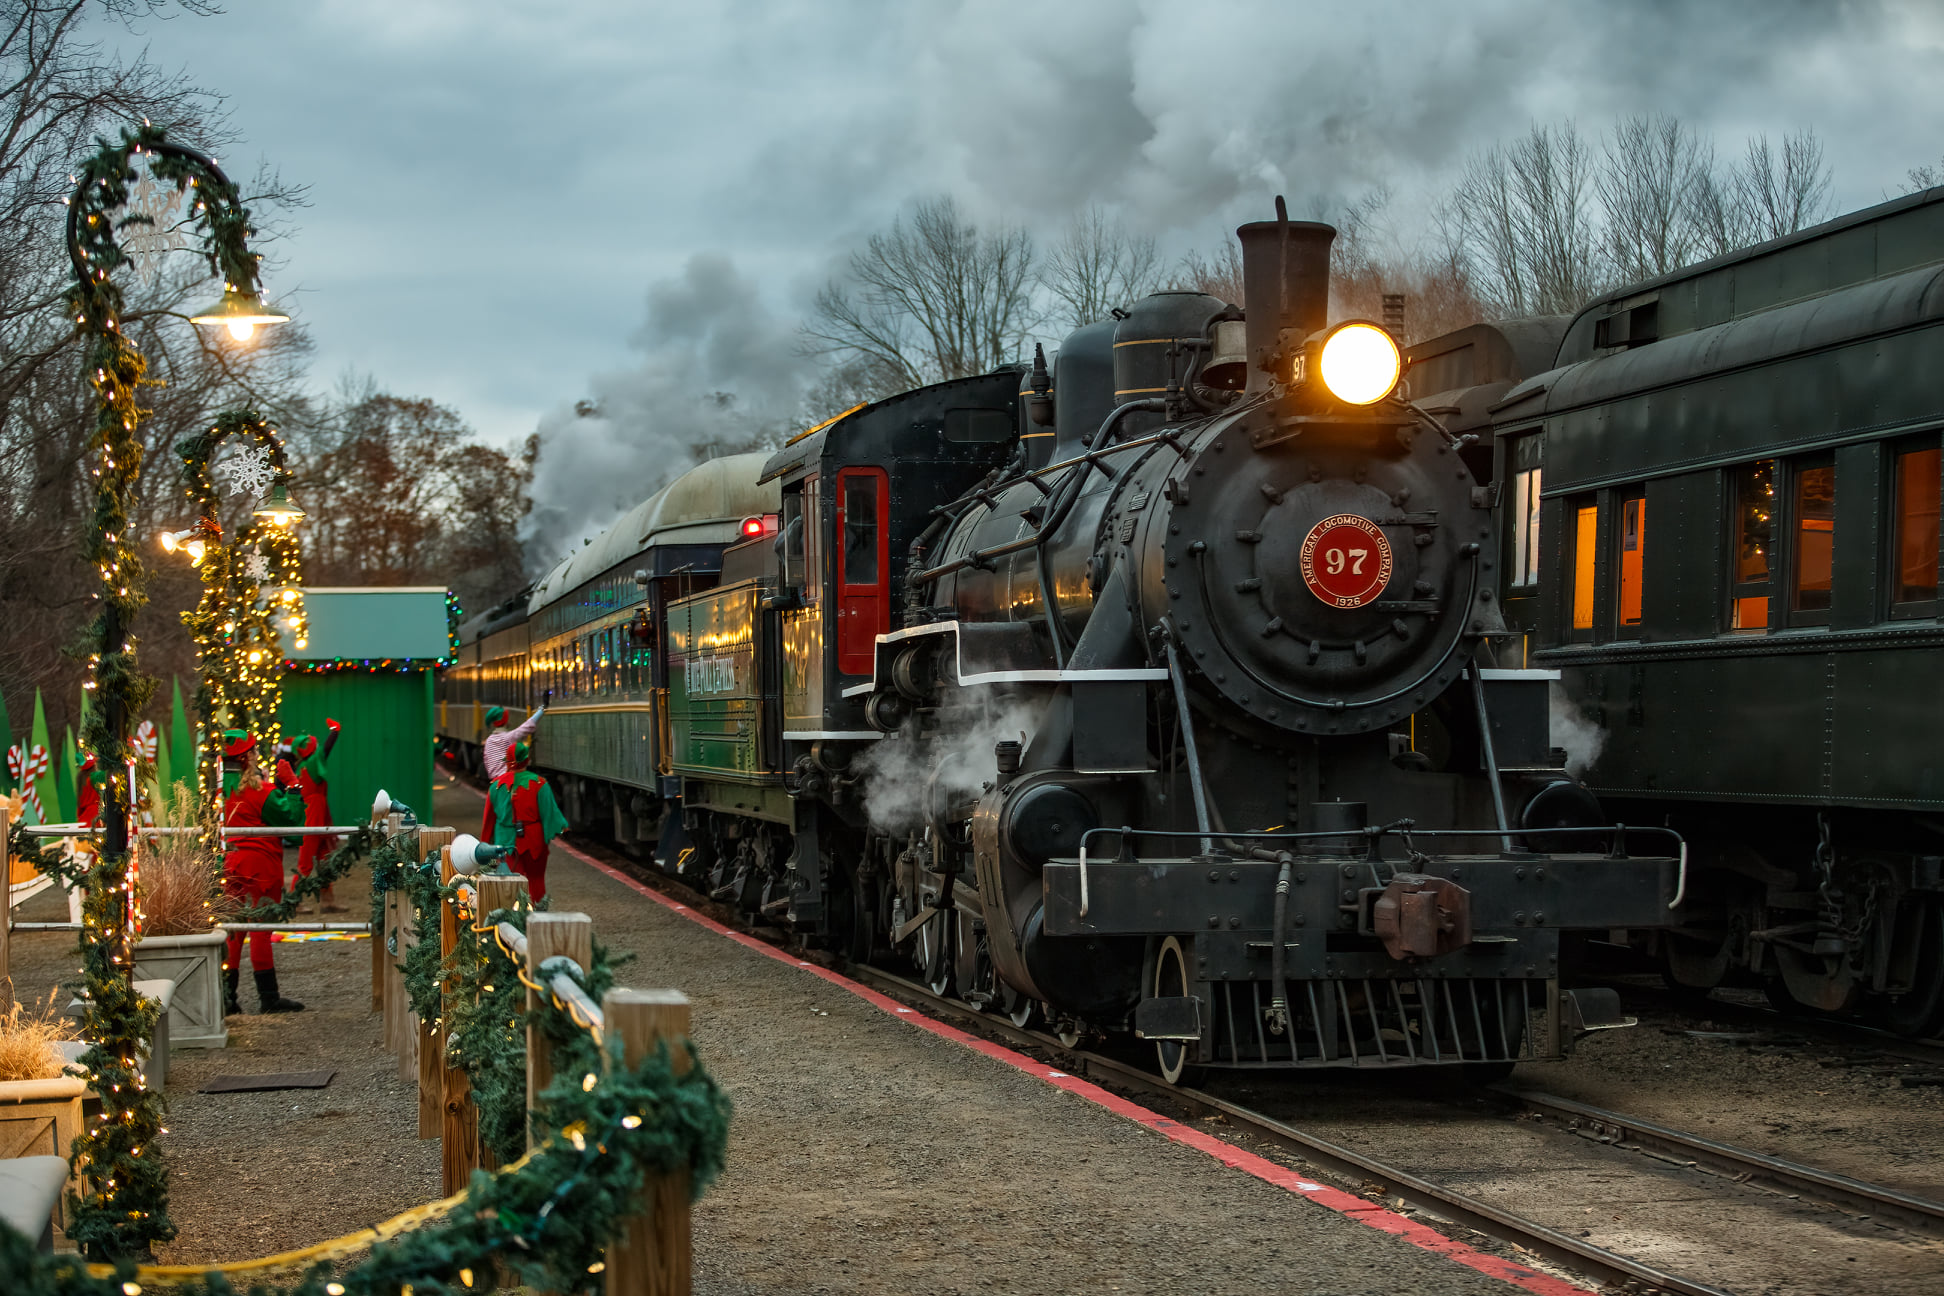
[(1285, 283)]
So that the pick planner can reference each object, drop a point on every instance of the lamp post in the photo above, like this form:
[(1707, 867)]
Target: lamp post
[(124, 1209), (235, 626)]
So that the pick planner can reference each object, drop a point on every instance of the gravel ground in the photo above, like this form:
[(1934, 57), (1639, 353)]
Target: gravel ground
[(866, 1155), (256, 1173)]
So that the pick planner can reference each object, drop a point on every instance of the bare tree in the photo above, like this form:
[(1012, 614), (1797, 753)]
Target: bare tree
[(1920, 178), (1784, 189), (1219, 274), (931, 298), (1099, 264), (1529, 218), (1646, 189), (59, 90)]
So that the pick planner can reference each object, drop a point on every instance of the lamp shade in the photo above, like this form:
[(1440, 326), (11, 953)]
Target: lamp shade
[(239, 312), (280, 509), (470, 855)]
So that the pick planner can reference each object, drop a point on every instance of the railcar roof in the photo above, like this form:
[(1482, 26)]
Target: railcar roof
[(705, 505)]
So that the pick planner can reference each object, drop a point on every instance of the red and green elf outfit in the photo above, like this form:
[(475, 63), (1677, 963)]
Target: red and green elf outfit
[(314, 783), (522, 816), (253, 866)]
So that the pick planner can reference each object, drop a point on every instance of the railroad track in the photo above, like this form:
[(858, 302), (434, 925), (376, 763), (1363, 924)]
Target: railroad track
[(1853, 1035), (1859, 1200)]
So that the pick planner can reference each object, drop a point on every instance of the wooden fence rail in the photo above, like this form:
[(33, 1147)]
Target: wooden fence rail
[(651, 1255)]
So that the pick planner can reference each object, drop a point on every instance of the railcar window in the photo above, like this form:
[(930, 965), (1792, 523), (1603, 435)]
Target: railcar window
[(812, 539), (1525, 527), (1813, 522), (792, 539), (1754, 542), (1914, 576), (1633, 545), (1586, 531), (861, 530)]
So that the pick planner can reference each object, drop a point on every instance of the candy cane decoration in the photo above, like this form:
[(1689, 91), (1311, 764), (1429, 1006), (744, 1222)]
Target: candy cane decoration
[(146, 742), (14, 757), (37, 763)]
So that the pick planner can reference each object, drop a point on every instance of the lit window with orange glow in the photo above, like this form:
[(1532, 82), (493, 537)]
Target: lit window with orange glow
[(1752, 543), (1633, 548), (1914, 566), (1813, 523), (1586, 533)]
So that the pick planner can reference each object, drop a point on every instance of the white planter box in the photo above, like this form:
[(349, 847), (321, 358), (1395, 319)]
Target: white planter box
[(195, 964)]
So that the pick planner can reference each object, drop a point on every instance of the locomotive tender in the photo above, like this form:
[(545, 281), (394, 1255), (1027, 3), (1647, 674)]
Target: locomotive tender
[(1157, 691), (1761, 661)]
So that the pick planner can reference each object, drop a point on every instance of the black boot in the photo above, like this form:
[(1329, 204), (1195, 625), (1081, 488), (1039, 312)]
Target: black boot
[(231, 975), (266, 984)]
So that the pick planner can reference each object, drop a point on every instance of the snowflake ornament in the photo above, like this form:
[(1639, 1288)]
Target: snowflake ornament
[(248, 472), (257, 567)]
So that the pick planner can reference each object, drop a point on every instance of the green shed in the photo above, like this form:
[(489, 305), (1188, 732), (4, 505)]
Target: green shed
[(368, 663)]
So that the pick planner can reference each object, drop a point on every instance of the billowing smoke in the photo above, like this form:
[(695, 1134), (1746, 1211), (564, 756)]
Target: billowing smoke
[(951, 760), (1581, 739), (1175, 112), (719, 373)]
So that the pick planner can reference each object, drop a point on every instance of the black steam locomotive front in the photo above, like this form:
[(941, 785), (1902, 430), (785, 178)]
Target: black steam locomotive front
[(1271, 801)]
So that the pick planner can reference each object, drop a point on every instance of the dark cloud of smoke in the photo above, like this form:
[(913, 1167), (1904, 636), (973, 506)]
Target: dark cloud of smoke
[(718, 373)]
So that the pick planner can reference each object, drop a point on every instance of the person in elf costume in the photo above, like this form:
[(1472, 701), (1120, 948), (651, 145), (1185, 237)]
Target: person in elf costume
[(522, 816), (314, 784), (500, 739), (87, 793), (253, 866)]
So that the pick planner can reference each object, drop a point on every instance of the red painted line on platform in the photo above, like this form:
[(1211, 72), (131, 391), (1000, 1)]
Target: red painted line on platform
[(1352, 1207)]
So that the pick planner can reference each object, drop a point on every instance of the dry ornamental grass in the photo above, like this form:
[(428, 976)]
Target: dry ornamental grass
[(179, 880), (27, 1041)]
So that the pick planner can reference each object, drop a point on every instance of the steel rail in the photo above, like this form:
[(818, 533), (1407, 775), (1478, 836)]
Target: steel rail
[(1840, 1191), (1573, 1253), (1829, 1030)]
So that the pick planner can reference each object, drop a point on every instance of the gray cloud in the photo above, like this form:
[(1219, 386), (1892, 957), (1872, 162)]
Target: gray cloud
[(524, 171)]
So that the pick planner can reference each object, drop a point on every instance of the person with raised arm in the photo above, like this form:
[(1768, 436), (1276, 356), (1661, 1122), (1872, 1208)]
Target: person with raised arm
[(314, 783), (501, 739)]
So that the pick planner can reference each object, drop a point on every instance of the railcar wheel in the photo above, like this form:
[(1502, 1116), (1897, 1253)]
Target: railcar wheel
[(934, 953), (1918, 1013), (1173, 1057), (1069, 1032), (1020, 1009)]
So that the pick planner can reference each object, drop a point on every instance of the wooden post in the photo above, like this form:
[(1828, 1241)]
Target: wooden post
[(6, 914), (496, 891), (459, 1126), (379, 958), (548, 934), (651, 1254), (430, 1035)]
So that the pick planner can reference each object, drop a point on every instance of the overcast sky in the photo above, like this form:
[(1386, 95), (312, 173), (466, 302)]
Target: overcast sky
[(541, 177)]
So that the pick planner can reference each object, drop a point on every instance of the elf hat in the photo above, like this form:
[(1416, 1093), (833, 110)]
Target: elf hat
[(304, 745), (521, 754), (238, 743), (495, 717)]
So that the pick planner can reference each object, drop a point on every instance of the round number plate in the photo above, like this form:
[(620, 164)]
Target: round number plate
[(1346, 560)]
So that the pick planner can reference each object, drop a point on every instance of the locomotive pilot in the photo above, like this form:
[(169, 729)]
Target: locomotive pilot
[(253, 866), (314, 784), (501, 739), (522, 816)]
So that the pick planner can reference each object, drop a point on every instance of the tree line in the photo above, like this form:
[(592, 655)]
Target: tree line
[(1534, 225), (399, 489)]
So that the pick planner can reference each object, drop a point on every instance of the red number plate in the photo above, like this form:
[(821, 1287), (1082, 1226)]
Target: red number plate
[(1346, 560)]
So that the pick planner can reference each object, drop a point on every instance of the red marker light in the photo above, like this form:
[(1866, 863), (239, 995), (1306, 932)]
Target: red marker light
[(752, 527)]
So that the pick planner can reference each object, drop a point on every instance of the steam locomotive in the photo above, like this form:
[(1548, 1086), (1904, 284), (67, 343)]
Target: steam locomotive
[(1759, 665), (1161, 689)]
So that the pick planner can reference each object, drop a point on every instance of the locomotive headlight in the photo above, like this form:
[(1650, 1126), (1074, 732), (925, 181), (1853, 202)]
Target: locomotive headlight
[(1359, 363)]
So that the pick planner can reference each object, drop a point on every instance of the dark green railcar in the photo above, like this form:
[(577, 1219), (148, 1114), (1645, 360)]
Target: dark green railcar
[(1721, 501)]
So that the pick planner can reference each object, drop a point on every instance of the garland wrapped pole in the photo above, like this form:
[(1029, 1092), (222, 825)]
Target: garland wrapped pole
[(125, 1208), (249, 585)]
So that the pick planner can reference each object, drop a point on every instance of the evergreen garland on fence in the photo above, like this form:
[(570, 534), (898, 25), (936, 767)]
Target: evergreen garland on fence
[(485, 1032), (547, 1221), (356, 846)]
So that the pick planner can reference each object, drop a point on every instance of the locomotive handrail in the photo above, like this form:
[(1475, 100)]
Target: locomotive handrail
[(1406, 827)]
